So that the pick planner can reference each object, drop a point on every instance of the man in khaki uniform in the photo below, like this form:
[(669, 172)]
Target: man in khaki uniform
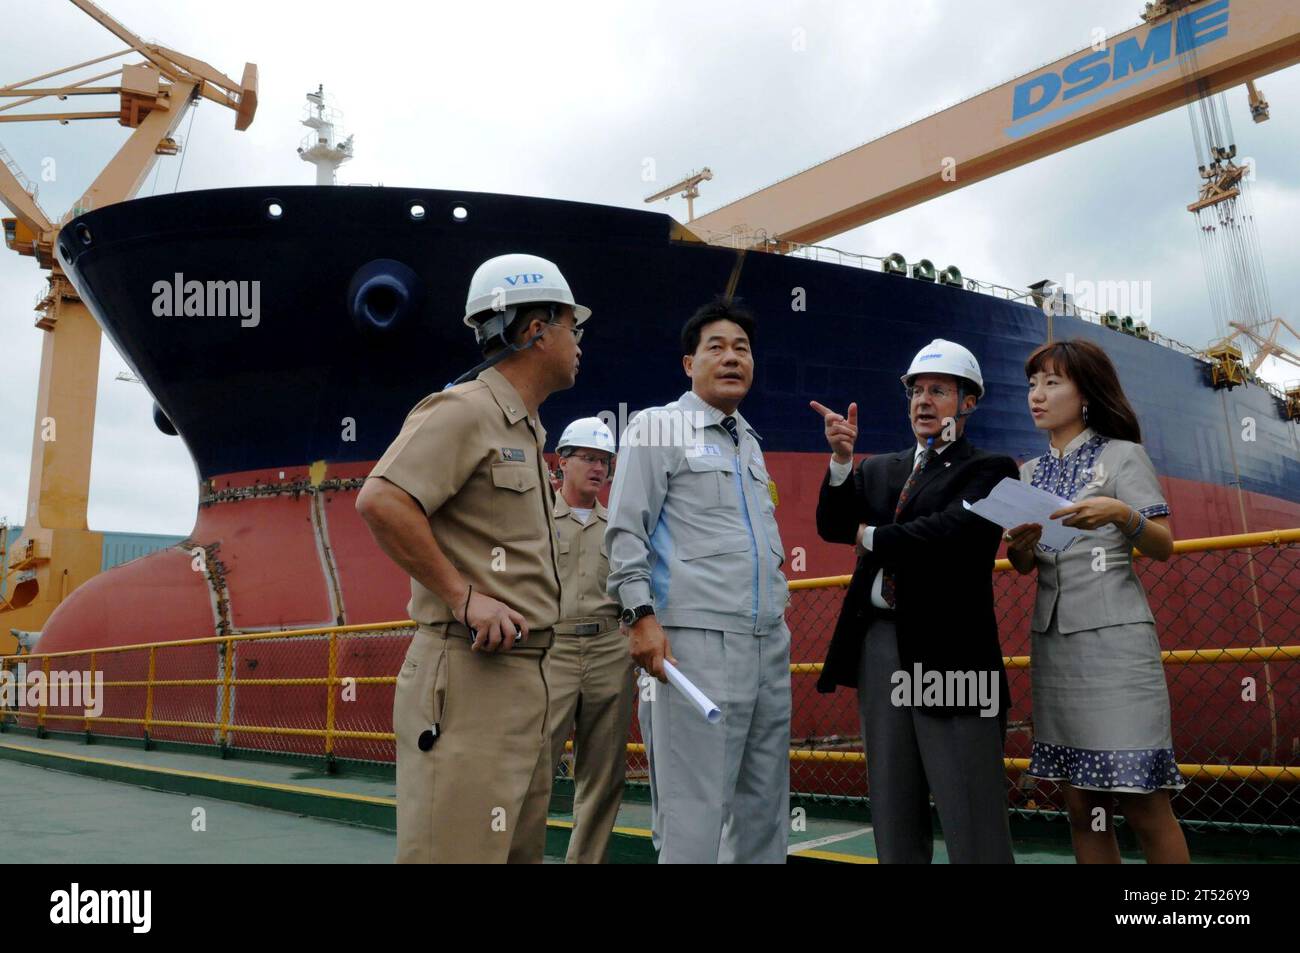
[(589, 668), (461, 500)]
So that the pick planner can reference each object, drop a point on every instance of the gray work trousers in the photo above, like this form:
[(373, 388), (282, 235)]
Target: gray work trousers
[(720, 793)]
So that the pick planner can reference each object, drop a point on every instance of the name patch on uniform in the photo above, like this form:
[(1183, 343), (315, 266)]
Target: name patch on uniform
[(514, 456), (704, 450)]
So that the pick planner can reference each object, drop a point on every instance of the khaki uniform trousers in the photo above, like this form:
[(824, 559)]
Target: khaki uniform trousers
[(480, 793), (593, 689)]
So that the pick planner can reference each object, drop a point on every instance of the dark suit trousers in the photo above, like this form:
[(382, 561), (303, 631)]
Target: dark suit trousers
[(912, 753)]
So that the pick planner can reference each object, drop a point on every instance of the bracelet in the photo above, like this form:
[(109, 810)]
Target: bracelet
[(1132, 513), (1137, 533)]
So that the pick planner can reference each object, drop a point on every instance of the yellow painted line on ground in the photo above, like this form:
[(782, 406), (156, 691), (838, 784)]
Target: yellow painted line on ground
[(203, 776), (814, 854), (345, 796), (832, 855), (634, 831), (629, 831), (269, 785)]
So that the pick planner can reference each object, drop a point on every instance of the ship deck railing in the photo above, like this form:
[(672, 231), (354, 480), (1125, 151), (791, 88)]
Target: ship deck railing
[(826, 254)]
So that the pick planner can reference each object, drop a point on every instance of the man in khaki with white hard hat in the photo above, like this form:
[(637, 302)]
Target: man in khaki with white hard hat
[(462, 502), (589, 668)]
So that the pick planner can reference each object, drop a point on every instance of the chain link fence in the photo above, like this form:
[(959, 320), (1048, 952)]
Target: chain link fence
[(1228, 618), (1227, 610)]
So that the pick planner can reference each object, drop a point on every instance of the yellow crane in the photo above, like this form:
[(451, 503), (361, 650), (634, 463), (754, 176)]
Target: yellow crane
[(688, 188), (1118, 81), (57, 551), (1229, 369)]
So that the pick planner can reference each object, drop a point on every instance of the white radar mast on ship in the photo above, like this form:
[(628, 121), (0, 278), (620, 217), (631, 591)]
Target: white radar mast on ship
[(322, 147)]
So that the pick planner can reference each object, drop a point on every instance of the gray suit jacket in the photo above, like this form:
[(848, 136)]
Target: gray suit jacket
[(1093, 584)]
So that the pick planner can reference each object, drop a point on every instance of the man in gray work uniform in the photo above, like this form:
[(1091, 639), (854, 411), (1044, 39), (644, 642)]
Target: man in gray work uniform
[(695, 562)]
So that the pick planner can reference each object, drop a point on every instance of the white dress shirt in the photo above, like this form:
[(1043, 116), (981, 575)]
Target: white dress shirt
[(839, 473)]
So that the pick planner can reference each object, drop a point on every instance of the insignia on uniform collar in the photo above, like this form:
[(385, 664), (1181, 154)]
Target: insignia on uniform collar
[(514, 456)]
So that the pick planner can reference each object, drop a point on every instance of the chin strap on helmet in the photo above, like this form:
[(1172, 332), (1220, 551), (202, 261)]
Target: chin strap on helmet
[(496, 327)]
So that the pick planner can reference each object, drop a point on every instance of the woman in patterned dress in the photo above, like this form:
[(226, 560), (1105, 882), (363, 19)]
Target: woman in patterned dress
[(1101, 705)]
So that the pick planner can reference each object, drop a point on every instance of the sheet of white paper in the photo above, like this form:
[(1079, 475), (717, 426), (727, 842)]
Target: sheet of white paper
[(1013, 503), (710, 711)]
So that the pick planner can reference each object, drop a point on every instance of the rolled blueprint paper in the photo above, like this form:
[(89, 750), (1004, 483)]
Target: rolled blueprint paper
[(710, 711)]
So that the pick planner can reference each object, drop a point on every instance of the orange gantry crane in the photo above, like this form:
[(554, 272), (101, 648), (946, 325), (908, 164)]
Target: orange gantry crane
[(1185, 50), (57, 552)]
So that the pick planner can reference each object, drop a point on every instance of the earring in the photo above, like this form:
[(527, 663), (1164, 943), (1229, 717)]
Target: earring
[(1085, 413)]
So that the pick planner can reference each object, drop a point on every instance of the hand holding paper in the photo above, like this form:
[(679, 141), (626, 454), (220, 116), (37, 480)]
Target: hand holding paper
[(710, 711), (1013, 503)]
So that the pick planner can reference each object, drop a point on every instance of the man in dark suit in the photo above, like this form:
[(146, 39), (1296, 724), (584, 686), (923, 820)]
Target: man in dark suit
[(917, 636)]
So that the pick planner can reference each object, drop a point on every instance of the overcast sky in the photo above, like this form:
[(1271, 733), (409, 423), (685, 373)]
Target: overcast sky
[(567, 100)]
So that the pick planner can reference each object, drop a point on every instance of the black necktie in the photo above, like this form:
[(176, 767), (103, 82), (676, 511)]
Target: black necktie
[(730, 424)]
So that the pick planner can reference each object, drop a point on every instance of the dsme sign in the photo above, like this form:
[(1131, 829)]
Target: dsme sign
[(1050, 97)]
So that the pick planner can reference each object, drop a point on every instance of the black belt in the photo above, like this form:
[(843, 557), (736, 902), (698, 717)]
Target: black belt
[(593, 627), (537, 638)]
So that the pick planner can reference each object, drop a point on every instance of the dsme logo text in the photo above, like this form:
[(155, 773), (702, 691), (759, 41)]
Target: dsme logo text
[(1045, 98)]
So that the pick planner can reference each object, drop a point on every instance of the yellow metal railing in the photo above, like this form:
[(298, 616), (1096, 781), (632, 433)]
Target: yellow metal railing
[(335, 733), (1282, 774), (1277, 537), (227, 682)]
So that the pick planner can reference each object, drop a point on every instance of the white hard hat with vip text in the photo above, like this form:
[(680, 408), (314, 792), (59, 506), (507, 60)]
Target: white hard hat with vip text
[(511, 280)]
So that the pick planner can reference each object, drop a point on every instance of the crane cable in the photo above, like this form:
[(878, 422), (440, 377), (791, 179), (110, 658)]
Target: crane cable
[(1231, 252), (194, 107)]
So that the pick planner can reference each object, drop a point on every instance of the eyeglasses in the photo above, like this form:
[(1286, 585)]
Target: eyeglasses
[(577, 331), (936, 391), (592, 459)]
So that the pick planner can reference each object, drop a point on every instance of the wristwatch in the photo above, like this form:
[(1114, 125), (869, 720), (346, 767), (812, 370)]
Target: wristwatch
[(630, 616)]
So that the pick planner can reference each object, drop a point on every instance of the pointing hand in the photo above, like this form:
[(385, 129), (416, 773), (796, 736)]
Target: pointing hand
[(841, 432)]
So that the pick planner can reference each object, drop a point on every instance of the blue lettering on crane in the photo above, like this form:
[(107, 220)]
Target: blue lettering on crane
[(1101, 73), (1132, 57)]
